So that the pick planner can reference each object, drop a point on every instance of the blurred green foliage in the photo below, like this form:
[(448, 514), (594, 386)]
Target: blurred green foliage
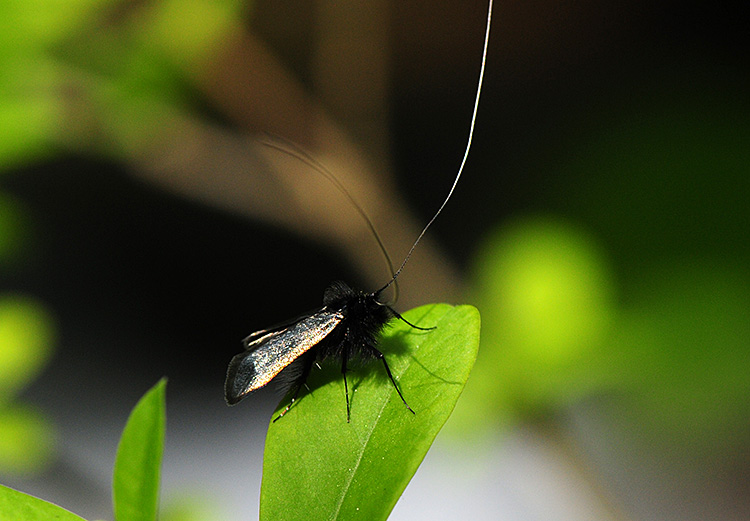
[(675, 356), (26, 340), (25, 344), (193, 506), (637, 288), (683, 347), (136, 477), (91, 76), (661, 177), (13, 221), (67, 67), (546, 292), (27, 440), (26, 337), (31, 78)]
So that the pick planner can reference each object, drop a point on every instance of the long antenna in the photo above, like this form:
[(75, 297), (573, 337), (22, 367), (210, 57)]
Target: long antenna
[(466, 152), (292, 149)]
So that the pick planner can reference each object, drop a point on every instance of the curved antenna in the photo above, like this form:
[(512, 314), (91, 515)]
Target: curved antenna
[(463, 161), (297, 152)]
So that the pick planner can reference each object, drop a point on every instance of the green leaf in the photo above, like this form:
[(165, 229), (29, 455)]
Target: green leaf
[(135, 484), (17, 506), (318, 466)]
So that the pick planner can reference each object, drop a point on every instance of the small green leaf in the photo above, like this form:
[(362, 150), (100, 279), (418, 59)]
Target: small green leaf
[(318, 466), (135, 484), (17, 506)]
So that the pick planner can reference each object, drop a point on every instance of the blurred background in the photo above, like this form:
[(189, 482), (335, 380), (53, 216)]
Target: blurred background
[(601, 228)]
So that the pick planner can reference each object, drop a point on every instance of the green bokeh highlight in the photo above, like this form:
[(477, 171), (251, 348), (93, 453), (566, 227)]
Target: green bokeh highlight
[(27, 440), (26, 337), (545, 291), (672, 362), (192, 506), (548, 286)]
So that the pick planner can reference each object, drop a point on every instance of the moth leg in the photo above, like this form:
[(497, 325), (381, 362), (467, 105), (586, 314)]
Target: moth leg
[(299, 383), (344, 358), (380, 355), (402, 319)]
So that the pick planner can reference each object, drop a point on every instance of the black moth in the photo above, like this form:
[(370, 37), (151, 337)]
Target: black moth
[(347, 325)]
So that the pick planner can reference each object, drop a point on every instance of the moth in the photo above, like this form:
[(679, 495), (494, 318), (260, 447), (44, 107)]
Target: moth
[(346, 327)]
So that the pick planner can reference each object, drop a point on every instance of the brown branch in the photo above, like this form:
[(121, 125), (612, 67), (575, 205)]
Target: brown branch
[(230, 169)]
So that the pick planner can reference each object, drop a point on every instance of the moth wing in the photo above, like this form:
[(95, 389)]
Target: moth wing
[(267, 352), (252, 338)]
